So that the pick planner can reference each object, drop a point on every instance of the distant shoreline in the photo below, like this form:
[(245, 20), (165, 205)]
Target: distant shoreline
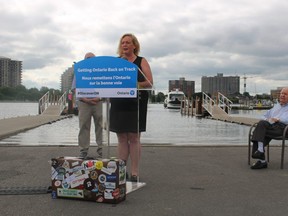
[(252, 108), (12, 101)]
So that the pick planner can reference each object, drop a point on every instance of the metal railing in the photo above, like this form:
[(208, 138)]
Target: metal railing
[(221, 101), (62, 102), (50, 99), (43, 103), (224, 103), (207, 103)]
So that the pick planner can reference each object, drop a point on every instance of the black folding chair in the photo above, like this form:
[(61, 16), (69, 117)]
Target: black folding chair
[(284, 137)]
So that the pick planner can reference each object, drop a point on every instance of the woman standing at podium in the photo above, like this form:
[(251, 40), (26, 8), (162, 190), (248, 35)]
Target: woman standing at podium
[(124, 111)]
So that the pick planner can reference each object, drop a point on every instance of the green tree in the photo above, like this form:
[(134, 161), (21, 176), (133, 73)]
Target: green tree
[(246, 94), (34, 94), (160, 97), (8, 93), (21, 93)]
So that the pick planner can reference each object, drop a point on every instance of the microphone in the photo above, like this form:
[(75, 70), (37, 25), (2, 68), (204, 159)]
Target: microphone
[(152, 87)]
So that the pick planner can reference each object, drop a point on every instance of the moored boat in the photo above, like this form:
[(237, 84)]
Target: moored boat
[(173, 100)]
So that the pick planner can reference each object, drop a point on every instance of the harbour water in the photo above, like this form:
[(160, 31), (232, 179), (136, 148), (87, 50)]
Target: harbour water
[(164, 126)]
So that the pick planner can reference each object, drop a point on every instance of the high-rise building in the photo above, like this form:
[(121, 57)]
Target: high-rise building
[(10, 72), (188, 87), (226, 85), (66, 79)]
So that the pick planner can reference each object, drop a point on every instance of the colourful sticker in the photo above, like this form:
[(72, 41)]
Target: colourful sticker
[(53, 173), (57, 183), (89, 184), (54, 195), (54, 163), (94, 175), (107, 171), (108, 194), (98, 165), (75, 163), (101, 187), (79, 180), (116, 193), (111, 178), (102, 178), (60, 173), (110, 185), (112, 166), (122, 175), (88, 164), (66, 164), (65, 185), (100, 199), (95, 189), (70, 193)]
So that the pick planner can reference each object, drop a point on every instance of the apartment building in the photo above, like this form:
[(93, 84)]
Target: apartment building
[(66, 79), (227, 85), (186, 86), (10, 72)]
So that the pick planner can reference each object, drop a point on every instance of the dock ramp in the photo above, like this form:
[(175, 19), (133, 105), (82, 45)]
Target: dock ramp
[(52, 110), (220, 109), (49, 112)]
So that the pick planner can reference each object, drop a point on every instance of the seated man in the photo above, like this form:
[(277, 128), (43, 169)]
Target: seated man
[(272, 125)]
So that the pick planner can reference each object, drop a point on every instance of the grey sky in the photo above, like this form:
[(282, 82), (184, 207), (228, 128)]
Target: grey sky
[(181, 38)]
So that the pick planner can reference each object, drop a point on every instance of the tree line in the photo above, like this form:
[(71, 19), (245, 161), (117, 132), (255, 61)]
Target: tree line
[(21, 93)]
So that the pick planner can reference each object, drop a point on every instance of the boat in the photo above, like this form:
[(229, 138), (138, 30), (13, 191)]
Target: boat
[(174, 99)]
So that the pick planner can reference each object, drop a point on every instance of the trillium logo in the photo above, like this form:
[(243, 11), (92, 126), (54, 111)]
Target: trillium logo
[(132, 92)]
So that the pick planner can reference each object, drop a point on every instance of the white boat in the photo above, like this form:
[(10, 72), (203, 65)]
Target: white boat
[(174, 99)]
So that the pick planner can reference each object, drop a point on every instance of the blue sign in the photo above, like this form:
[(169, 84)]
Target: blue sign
[(107, 77)]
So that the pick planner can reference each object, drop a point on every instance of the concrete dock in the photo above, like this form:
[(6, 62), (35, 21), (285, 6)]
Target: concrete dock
[(11, 126), (235, 119)]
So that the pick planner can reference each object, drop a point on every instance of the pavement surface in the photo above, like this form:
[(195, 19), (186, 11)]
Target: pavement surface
[(200, 181)]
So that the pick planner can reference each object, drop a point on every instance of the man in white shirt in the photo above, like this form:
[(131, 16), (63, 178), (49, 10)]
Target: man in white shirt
[(273, 123)]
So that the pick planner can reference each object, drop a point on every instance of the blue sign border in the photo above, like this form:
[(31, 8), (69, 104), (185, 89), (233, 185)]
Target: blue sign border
[(105, 76)]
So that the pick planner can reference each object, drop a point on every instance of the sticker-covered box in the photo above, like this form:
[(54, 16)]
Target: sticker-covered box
[(102, 181)]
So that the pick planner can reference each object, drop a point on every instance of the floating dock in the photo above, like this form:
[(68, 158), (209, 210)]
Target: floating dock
[(220, 114), (11, 126)]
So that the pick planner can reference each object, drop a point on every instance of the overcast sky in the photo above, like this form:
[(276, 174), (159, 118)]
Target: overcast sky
[(183, 38)]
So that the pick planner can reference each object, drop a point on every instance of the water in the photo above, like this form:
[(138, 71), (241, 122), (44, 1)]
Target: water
[(164, 126), (8, 110)]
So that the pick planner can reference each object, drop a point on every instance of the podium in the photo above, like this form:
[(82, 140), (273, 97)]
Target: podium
[(108, 77)]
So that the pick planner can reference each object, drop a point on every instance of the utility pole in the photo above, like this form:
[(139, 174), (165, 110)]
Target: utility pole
[(245, 78)]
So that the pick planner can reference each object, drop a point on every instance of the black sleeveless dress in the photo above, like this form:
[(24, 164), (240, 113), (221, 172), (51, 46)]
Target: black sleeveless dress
[(124, 111)]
